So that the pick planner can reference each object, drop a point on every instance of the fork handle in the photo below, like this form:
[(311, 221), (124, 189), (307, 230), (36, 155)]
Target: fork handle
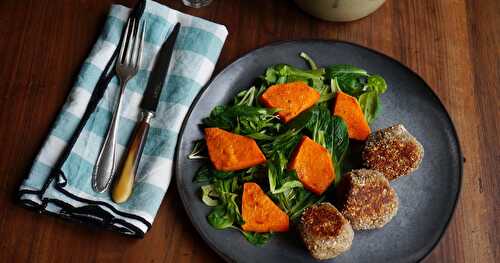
[(105, 167), (122, 189)]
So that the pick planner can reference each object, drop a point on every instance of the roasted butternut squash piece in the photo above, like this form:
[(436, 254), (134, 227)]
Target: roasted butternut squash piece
[(314, 166), (348, 108), (260, 213), (291, 98), (232, 152)]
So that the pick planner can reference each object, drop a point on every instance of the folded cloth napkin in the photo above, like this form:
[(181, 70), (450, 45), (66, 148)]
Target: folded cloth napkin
[(64, 187)]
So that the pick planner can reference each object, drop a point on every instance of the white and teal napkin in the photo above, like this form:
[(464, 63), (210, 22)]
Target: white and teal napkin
[(196, 51)]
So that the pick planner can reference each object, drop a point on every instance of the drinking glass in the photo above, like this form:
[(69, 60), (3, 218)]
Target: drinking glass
[(196, 3)]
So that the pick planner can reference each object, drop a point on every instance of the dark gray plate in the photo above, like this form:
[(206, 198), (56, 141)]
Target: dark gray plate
[(427, 197)]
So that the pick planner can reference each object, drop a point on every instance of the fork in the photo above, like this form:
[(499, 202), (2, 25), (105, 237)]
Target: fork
[(127, 65)]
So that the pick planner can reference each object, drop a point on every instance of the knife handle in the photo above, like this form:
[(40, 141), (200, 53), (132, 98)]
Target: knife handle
[(125, 182)]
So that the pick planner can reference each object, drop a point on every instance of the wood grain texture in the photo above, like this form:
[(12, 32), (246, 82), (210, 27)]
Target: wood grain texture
[(453, 44)]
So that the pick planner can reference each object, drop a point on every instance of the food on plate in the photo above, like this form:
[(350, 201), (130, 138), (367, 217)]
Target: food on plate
[(348, 108), (325, 231), (290, 98), (393, 151), (313, 164), (260, 213), (279, 148), (232, 152), (366, 199)]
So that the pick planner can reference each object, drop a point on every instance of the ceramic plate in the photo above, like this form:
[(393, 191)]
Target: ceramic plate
[(427, 197)]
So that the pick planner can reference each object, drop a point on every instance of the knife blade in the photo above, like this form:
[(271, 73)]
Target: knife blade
[(160, 69), (123, 187)]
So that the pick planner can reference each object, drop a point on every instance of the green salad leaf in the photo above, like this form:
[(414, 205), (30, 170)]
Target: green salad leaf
[(257, 239), (203, 174), (209, 195), (283, 73), (221, 217), (227, 212), (377, 84), (243, 119), (329, 131), (370, 104), (342, 69)]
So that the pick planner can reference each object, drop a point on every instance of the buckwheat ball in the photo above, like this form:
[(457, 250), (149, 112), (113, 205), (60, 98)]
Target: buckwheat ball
[(325, 231), (393, 151), (366, 199)]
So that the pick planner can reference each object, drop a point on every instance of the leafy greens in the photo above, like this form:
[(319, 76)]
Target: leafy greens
[(358, 83), (246, 116)]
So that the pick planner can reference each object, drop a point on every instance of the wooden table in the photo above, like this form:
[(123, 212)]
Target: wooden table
[(454, 45)]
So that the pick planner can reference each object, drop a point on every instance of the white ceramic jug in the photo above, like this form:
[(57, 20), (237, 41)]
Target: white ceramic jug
[(339, 10)]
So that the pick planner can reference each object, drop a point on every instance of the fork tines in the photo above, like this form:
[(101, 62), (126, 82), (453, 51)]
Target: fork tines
[(132, 44)]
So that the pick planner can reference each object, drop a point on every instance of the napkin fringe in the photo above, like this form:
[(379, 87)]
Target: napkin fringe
[(91, 215)]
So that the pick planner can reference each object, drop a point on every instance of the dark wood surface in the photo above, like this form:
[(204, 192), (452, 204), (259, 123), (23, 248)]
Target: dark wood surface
[(453, 44)]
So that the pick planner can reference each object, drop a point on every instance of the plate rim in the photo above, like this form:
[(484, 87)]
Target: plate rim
[(328, 41)]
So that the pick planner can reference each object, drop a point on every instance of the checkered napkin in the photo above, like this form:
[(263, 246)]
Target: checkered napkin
[(65, 188)]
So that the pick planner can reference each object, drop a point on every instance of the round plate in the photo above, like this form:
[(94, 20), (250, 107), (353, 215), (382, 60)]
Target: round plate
[(427, 197)]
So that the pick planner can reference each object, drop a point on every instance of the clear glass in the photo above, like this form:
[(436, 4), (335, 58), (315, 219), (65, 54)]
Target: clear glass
[(196, 3)]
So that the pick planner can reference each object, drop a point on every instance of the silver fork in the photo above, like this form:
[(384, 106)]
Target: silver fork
[(127, 66)]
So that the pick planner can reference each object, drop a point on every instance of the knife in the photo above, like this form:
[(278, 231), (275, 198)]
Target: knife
[(122, 188)]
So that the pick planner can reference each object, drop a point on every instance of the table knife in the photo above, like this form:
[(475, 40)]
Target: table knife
[(123, 186)]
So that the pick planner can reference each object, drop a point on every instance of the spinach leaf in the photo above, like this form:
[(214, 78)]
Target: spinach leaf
[(206, 173), (288, 186), (377, 84), (350, 79), (370, 104), (208, 195), (340, 69), (283, 73), (227, 212), (340, 139), (257, 239), (282, 145), (351, 83), (272, 176), (223, 175), (329, 131), (299, 122), (260, 136), (243, 119), (327, 92), (220, 217), (202, 174)]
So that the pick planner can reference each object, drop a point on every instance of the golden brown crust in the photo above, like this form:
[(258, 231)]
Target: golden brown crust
[(325, 231), (393, 151), (368, 201), (322, 220)]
